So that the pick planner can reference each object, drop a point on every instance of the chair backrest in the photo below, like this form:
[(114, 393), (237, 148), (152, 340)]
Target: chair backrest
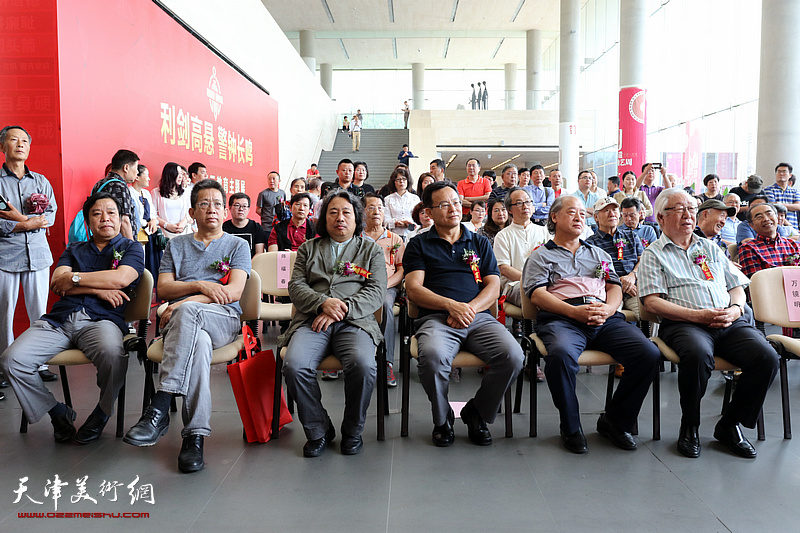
[(251, 297), (139, 306), (733, 251), (413, 309), (266, 265), (647, 316), (769, 297)]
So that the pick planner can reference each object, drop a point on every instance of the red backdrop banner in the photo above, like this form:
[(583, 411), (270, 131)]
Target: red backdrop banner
[(87, 78), (632, 142)]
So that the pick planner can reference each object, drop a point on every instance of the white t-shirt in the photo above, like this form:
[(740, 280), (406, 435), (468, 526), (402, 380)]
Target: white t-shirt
[(512, 246)]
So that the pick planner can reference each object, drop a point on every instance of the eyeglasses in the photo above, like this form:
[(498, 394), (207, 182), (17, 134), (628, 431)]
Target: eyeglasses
[(373, 208), (205, 205), (681, 209), (240, 206), (400, 178), (444, 206), (521, 204)]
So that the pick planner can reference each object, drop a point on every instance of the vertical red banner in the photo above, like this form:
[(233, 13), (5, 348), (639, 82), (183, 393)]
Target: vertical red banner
[(632, 141)]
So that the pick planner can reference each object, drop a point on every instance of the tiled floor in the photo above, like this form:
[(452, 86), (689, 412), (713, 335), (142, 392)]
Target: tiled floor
[(407, 484)]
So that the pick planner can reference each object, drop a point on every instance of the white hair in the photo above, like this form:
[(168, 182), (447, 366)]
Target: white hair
[(663, 199)]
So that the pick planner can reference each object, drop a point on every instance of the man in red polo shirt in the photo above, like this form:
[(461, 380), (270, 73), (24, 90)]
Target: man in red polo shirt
[(474, 187), (291, 233)]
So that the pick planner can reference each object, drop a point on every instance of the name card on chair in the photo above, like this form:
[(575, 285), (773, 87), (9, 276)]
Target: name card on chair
[(791, 284), (282, 279)]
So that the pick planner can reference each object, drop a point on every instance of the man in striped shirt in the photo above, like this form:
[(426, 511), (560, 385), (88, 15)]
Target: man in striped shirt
[(699, 294)]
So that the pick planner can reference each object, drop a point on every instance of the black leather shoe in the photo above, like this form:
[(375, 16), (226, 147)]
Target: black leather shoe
[(63, 428), (3, 381), (476, 427), (91, 429), (151, 426), (351, 445), (575, 442), (443, 436), (689, 441), (731, 436), (46, 375), (2, 395), (316, 447), (621, 439), (191, 457)]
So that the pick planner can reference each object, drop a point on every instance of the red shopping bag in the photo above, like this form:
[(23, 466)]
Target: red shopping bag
[(253, 384)]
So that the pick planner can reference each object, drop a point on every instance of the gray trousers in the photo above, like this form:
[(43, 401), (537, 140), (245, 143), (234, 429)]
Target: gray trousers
[(355, 349), (101, 341), (193, 332), (488, 339), (35, 287)]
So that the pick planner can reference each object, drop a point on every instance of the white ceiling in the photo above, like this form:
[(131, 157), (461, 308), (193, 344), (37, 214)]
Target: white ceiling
[(420, 30)]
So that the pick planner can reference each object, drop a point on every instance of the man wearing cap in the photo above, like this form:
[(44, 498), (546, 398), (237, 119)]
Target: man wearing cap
[(768, 249), (622, 244), (711, 217), (746, 192), (780, 191), (578, 292)]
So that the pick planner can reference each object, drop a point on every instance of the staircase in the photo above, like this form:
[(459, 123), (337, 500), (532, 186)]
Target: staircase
[(379, 149)]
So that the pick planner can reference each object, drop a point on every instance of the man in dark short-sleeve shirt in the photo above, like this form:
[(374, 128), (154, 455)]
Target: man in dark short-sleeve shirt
[(203, 314), (95, 280), (578, 293), (452, 275)]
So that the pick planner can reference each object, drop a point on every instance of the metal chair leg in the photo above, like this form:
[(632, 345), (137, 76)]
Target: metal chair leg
[(508, 414), (760, 425), (276, 398)]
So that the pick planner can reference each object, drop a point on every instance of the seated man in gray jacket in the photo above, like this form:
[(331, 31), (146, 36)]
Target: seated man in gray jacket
[(338, 282)]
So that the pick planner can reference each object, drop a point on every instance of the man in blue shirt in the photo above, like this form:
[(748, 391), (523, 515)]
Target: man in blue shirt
[(587, 197), (632, 218), (95, 280), (404, 155), (452, 275), (543, 197)]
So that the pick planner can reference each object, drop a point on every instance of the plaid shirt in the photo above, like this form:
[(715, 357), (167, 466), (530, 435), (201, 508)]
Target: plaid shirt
[(761, 253)]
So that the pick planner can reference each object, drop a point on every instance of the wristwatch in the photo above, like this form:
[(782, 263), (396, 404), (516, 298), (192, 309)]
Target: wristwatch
[(741, 308), (76, 279)]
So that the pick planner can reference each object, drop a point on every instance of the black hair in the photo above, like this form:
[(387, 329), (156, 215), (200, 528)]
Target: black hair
[(345, 160), (630, 201), (779, 165), (712, 177), (537, 167), (238, 196), (4, 133), (427, 194), (439, 163), (194, 168), (123, 157), (93, 199), (299, 196), (203, 185), (169, 181), (401, 169), (358, 212)]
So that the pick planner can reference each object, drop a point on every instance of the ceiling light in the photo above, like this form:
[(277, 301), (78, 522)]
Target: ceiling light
[(452, 157), (344, 50), (498, 47), (391, 10), (519, 7), (455, 8), (446, 47), (328, 11), (394, 47), (506, 161)]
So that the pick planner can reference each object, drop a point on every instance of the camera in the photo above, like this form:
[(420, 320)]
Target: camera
[(655, 166)]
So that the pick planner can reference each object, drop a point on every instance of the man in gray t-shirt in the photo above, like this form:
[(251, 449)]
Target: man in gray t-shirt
[(202, 276), (270, 201)]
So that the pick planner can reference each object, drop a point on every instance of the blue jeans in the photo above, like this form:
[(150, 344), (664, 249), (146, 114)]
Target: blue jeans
[(193, 332)]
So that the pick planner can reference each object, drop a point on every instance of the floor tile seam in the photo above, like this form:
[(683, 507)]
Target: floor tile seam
[(216, 489)]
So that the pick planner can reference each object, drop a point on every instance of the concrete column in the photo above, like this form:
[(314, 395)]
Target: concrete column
[(632, 134), (778, 97), (568, 97), (326, 78), (511, 84), (533, 69), (307, 49), (418, 85)]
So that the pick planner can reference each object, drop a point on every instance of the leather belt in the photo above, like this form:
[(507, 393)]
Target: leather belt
[(583, 300)]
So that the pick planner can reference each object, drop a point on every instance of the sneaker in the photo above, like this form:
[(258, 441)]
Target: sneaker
[(390, 379), (328, 375)]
